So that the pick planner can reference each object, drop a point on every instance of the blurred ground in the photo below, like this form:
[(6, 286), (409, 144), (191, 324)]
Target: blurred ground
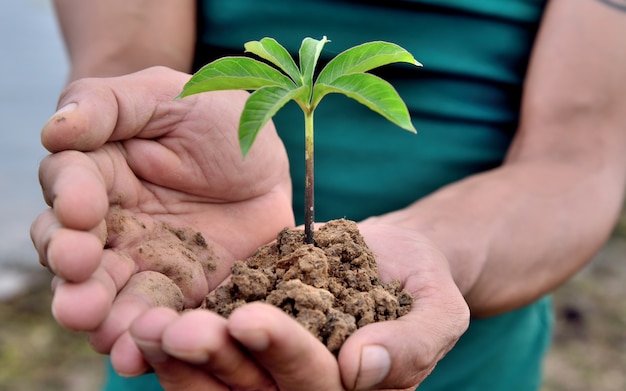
[(38, 355), (589, 352)]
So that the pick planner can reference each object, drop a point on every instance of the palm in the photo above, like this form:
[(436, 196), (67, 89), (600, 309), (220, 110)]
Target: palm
[(188, 172), (191, 146)]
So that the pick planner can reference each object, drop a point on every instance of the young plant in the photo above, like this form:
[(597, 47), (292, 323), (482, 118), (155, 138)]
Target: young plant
[(275, 86)]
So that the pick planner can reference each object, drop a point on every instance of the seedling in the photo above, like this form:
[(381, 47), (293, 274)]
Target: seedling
[(275, 86)]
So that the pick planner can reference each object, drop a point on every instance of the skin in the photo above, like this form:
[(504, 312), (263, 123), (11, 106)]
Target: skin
[(111, 38), (467, 247)]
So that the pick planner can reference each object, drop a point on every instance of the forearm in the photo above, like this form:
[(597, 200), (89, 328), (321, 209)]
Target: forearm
[(517, 232), (109, 38)]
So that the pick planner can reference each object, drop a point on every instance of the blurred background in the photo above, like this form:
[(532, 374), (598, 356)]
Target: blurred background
[(589, 350), (32, 72)]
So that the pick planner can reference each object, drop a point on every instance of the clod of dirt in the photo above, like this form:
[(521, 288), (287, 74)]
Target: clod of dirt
[(181, 254), (331, 288), (159, 287)]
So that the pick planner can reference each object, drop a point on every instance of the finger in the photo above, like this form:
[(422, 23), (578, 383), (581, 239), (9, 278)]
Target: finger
[(201, 337), (73, 184), (74, 262), (143, 291), (81, 306), (41, 231), (147, 332), (84, 306), (94, 111), (126, 357), (70, 254), (291, 355), (176, 375), (401, 353)]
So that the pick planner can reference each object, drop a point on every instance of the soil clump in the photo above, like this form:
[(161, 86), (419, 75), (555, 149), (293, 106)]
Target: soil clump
[(331, 288)]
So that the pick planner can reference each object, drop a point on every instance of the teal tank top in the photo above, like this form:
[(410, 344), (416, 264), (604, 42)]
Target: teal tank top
[(465, 105)]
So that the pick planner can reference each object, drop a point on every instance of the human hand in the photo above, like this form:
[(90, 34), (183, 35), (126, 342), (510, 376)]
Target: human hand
[(199, 348), (132, 170), (401, 353)]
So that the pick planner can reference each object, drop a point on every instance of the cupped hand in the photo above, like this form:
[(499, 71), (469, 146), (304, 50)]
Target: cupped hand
[(195, 348), (400, 354), (150, 199)]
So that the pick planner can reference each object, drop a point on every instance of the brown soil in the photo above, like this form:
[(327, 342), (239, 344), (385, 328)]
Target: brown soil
[(331, 288), (180, 254)]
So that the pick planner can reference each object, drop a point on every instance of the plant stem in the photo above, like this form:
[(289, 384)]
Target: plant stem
[(309, 202)]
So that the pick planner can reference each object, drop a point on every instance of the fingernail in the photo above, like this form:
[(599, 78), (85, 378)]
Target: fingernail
[(375, 366), (51, 264), (151, 351), (255, 340), (53, 308), (66, 108), (59, 115)]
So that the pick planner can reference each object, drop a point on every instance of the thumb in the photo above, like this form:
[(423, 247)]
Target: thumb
[(400, 354), (96, 110)]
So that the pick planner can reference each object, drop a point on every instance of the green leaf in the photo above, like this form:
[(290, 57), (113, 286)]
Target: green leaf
[(235, 73), (309, 54), (373, 92), (363, 58), (270, 50), (260, 107)]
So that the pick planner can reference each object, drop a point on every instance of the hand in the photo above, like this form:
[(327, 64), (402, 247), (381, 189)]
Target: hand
[(413, 344), (199, 349), (132, 169)]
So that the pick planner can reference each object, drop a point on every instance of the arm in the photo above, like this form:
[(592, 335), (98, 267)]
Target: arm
[(107, 38), (515, 233)]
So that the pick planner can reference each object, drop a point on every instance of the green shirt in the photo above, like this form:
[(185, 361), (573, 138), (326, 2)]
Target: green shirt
[(465, 106)]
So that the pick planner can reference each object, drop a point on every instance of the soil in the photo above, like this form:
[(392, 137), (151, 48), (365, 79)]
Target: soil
[(181, 255), (331, 288)]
